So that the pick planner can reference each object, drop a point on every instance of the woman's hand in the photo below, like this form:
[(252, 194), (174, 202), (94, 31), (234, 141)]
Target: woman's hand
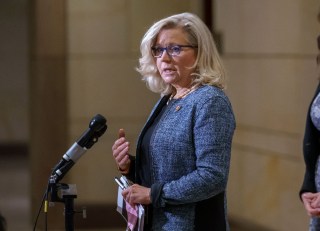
[(311, 203), (120, 151), (137, 194)]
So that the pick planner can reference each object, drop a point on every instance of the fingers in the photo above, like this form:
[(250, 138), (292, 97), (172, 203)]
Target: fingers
[(120, 146), (315, 203), (313, 212), (127, 196), (120, 150), (311, 202), (121, 139), (137, 194), (308, 196), (123, 161), (310, 211)]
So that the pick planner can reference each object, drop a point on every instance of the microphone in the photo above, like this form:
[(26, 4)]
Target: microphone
[(97, 127)]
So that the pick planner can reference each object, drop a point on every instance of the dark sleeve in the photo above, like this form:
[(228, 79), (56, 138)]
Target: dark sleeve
[(310, 152), (156, 190)]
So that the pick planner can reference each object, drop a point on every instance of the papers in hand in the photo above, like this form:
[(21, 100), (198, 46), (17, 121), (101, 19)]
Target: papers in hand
[(134, 215)]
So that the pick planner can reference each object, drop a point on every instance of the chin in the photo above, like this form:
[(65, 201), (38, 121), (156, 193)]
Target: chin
[(168, 80)]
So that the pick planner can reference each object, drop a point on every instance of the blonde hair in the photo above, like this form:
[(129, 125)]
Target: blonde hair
[(208, 66)]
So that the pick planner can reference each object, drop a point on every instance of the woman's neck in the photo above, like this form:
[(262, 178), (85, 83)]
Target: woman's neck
[(182, 92)]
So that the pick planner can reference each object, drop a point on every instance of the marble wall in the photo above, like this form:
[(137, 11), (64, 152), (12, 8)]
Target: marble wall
[(269, 50)]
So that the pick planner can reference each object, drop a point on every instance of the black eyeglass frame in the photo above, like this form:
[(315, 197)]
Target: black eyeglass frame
[(169, 49)]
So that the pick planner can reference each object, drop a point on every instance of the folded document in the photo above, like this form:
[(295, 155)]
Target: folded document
[(134, 215)]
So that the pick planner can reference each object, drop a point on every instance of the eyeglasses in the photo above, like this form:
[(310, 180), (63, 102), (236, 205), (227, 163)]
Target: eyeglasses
[(172, 50)]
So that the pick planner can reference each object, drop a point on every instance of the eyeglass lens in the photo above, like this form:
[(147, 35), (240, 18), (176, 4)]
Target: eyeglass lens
[(171, 50)]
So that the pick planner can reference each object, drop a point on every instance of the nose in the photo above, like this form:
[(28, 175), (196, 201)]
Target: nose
[(165, 57)]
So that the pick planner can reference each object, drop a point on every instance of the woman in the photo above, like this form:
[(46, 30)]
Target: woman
[(310, 190), (182, 158)]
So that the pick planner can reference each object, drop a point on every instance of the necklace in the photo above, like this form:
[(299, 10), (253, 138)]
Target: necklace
[(184, 94)]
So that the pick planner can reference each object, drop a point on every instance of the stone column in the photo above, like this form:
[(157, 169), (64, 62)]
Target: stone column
[(48, 98)]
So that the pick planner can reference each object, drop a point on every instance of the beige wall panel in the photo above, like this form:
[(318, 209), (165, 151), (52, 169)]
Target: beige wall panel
[(273, 26), (269, 51), (113, 89), (98, 30), (284, 145), (270, 98), (271, 93), (263, 188), (49, 45), (96, 6), (111, 86), (14, 88)]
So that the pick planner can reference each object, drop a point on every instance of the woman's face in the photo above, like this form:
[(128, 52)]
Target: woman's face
[(175, 70)]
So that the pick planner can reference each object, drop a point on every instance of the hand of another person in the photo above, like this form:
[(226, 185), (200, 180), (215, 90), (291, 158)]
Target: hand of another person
[(316, 201), (120, 150), (137, 194), (311, 203)]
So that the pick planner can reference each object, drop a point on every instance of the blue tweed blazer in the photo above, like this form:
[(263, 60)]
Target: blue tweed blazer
[(190, 152)]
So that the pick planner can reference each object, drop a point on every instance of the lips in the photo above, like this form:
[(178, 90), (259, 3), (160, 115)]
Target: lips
[(168, 70)]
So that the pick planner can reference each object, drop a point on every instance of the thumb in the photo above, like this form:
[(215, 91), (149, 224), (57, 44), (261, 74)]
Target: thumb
[(307, 195), (121, 133)]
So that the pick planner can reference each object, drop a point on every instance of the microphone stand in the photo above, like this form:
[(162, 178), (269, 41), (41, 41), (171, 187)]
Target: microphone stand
[(68, 193)]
